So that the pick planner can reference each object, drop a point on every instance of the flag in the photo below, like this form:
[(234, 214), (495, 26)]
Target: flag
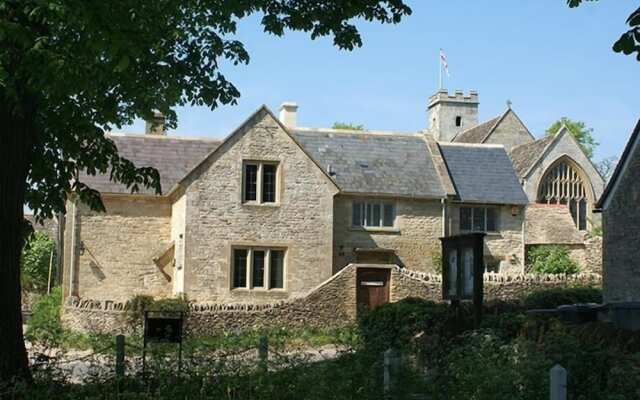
[(443, 62)]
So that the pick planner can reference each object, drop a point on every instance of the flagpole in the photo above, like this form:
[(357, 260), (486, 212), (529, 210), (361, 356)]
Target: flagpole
[(440, 71)]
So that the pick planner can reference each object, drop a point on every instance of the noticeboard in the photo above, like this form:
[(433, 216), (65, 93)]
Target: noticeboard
[(163, 327)]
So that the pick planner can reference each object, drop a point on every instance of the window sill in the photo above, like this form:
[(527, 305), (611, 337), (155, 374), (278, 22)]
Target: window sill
[(257, 290), (256, 204), (492, 234), (374, 229)]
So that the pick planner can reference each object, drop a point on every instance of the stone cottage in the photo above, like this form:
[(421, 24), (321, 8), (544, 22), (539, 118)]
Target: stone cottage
[(621, 227), (275, 209)]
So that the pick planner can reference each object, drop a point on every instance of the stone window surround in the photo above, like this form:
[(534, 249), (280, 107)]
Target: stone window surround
[(267, 267), (380, 229), (480, 206), (278, 189)]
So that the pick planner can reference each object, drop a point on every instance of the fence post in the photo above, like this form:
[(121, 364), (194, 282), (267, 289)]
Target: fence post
[(263, 351), (558, 383), (390, 365), (120, 356)]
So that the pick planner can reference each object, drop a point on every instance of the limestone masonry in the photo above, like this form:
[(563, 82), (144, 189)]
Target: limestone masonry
[(282, 224)]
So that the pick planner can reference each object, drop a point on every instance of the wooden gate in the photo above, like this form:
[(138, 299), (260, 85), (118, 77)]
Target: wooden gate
[(373, 287)]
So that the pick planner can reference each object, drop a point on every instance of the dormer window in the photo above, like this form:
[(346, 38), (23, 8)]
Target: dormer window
[(260, 182), (458, 121)]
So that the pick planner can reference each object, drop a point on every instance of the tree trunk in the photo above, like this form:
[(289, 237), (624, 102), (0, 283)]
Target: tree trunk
[(16, 138)]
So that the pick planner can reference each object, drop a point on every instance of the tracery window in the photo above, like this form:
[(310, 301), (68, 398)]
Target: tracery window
[(563, 184)]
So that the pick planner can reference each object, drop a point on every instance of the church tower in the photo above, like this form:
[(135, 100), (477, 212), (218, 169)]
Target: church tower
[(451, 114)]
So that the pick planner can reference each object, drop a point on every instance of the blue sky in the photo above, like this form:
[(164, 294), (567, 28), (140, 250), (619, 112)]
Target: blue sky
[(549, 60)]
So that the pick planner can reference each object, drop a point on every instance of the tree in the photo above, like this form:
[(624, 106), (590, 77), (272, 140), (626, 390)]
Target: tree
[(36, 258), (347, 125), (629, 42), (606, 166), (72, 69), (579, 131)]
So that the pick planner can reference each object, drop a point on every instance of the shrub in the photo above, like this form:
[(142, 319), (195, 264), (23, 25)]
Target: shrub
[(552, 298), (551, 260), (35, 260), (395, 324), (44, 326)]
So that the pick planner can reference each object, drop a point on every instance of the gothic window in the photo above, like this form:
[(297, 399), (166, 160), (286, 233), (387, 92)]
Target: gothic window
[(563, 184)]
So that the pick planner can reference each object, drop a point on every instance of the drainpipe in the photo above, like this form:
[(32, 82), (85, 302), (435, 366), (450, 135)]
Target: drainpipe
[(73, 255), (444, 217)]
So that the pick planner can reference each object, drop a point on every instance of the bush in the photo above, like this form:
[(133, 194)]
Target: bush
[(44, 326), (35, 260), (395, 324), (552, 298), (551, 260)]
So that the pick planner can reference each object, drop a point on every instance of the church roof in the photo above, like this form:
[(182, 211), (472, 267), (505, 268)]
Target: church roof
[(482, 174), (173, 158), (369, 163), (525, 155), (478, 133)]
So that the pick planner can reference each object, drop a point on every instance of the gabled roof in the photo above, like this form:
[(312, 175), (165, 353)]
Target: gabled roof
[(478, 133), (482, 174), (623, 164), (525, 155), (481, 133), (379, 164), (239, 131), (173, 157)]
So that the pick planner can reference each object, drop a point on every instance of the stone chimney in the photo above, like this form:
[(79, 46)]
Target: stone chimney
[(288, 115), (156, 125), (450, 114)]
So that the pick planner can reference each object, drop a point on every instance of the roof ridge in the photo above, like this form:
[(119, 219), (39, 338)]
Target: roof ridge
[(160, 137), (479, 145), (474, 127), (301, 129)]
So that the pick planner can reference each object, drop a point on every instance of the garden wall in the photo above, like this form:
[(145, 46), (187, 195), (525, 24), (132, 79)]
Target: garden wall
[(331, 304)]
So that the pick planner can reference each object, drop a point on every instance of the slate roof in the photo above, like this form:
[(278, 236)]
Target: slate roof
[(525, 155), (562, 231), (173, 158), (482, 174), (361, 162), (478, 133)]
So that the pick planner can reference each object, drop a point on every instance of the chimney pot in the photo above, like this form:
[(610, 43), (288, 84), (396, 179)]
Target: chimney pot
[(288, 114), (156, 126)]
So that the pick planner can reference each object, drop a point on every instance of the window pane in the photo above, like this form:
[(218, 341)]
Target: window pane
[(369, 214), (478, 220), (492, 219), (356, 214), (377, 212), (258, 269), (465, 219), (582, 220), (239, 268), (573, 207), (276, 280), (268, 183), (250, 182), (389, 215)]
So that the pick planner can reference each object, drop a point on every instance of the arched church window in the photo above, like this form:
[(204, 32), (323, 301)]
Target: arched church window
[(563, 184)]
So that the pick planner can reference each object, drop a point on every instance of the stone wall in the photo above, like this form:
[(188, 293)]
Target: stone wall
[(217, 220), (331, 304), (414, 238), (621, 229), (114, 250), (504, 248), (510, 132)]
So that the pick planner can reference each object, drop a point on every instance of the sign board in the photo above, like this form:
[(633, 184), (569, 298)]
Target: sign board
[(462, 267), (163, 327)]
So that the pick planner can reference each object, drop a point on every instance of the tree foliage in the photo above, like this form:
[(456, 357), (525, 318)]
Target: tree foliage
[(629, 42), (551, 259), (579, 131), (87, 67), (36, 257), (347, 125), (606, 166)]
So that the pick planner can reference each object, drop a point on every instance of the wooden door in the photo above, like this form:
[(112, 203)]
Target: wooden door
[(373, 287)]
